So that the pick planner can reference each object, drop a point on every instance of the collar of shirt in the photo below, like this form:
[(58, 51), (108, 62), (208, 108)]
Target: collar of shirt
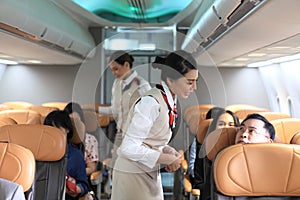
[(129, 79), (169, 95)]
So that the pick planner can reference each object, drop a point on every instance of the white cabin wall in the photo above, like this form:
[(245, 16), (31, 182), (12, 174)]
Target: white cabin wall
[(282, 83), (37, 84)]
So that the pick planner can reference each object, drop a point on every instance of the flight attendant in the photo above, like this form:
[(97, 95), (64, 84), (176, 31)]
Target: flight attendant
[(149, 129), (127, 88)]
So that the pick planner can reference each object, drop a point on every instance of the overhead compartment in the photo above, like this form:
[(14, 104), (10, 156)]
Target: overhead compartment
[(214, 21), (47, 24)]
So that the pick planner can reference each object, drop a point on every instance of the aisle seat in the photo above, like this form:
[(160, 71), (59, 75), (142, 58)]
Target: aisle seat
[(48, 145), (17, 164), (257, 171)]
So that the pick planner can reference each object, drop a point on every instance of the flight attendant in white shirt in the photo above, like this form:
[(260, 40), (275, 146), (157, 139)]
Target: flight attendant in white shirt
[(149, 129), (127, 88)]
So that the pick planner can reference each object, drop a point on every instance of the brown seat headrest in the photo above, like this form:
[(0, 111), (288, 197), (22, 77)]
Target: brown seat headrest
[(7, 121), (22, 116), (286, 128), (274, 115), (56, 104), (295, 139), (219, 139), (17, 105), (17, 164), (78, 131), (258, 170), (47, 143), (202, 130), (243, 113)]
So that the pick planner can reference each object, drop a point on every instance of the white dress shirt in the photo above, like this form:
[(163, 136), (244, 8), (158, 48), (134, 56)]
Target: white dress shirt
[(145, 113)]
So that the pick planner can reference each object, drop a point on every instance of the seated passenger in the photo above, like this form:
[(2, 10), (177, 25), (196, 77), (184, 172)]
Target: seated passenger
[(75, 163), (255, 129), (210, 114), (90, 142)]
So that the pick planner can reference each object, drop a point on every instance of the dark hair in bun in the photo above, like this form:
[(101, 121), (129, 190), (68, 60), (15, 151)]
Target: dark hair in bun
[(175, 65), (121, 57)]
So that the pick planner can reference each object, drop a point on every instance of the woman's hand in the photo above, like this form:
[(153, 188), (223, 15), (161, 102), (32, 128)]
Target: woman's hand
[(175, 164)]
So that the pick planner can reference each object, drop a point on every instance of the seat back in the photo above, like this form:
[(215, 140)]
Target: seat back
[(22, 116), (193, 115), (257, 171), (243, 113), (236, 107), (48, 145), (274, 115), (17, 105), (202, 130), (4, 107), (295, 139), (17, 164), (219, 139), (7, 121), (286, 128), (57, 104), (43, 111)]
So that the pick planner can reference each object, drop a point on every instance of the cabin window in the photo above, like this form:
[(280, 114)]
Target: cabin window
[(290, 107)]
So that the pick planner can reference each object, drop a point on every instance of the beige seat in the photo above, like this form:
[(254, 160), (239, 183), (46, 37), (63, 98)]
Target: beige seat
[(7, 121), (286, 128), (193, 115), (257, 171), (243, 113), (295, 139), (48, 145), (56, 104), (22, 116), (4, 107), (43, 111), (17, 105), (274, 115), (17, 164)]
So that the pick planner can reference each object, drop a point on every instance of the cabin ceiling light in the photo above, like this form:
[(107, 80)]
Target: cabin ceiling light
[(241, 59), (275, 60), (256, 54), (8, 62), (34, 61)]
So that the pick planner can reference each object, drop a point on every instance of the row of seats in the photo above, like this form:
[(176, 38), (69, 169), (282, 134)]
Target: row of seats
[(48, 147), (284, 125), (29, 118)]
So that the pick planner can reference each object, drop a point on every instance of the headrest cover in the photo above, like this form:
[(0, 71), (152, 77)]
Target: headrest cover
[(202, 130), (7, 121), (47, 143), (218, 140), (22, 116), (17, 164), (258, 170), (286, 128)]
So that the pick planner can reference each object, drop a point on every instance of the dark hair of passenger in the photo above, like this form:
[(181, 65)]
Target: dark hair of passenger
[(216, 117), (213, 112), (74, 107), (268, 126), (121, 57), (59, 118), (175, 65)]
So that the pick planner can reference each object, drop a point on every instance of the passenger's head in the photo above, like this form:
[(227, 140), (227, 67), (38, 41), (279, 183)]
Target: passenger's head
[(255, 129), (179, 71), (212, 113), (74, 110), (120, 64), (60, 119), (223, 118)]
